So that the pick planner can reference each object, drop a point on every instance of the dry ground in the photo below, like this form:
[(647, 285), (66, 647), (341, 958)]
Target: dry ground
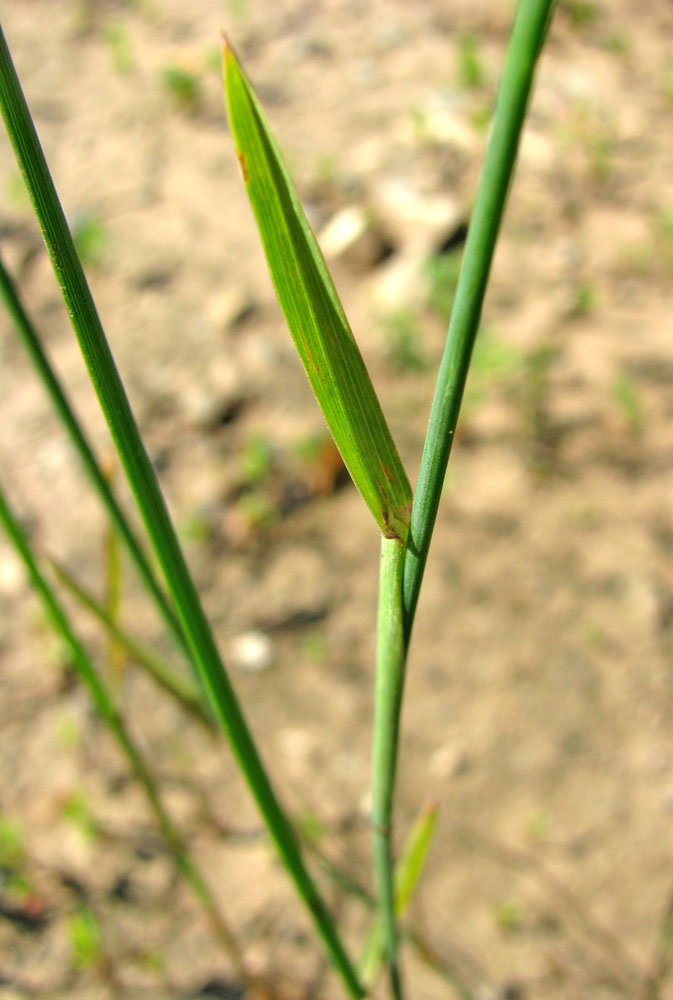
[(540, 684)]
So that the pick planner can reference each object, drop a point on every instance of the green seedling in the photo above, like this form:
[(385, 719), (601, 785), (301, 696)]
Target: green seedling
[(16, 192), (90, 238), (403, 337), (481, 118), (258, 511), (665, 225), (509, 917), (442, 271), (344, 392), (183, 86), (617, 43), (75, 809), (591, 130), (493, 362), (68, 734), (628, 401), (257, 459), (584, 298), (538, 426), (118, 40), (582, 13), (237, 9), (86, 940), (12, 845), (470, 64), (668, 81), (314, 646)]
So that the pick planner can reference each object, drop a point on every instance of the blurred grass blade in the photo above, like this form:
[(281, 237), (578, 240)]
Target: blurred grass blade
[(116, 656), (142, 479), (31, 341), (411, 864), (165, 676), (531, 23), (104, 703), (314, 315), (407, 876)]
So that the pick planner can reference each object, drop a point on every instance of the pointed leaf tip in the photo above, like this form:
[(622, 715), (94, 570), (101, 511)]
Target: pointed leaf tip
[(313, 312)]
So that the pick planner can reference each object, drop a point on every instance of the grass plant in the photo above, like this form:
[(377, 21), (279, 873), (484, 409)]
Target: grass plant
[(344, 391)]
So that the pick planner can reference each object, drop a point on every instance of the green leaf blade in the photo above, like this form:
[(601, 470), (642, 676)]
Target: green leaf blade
[(314, 315)]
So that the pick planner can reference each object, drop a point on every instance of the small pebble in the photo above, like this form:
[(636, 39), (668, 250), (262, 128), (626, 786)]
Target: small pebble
[(252, 652)]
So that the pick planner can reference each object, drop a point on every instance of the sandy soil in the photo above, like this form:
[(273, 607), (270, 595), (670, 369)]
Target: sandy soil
[(540, 686)]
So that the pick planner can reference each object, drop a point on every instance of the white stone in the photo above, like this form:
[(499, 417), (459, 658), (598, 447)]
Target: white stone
[(252, 652)]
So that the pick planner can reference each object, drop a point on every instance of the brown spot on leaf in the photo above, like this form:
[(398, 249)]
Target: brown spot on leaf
[(244, 167)]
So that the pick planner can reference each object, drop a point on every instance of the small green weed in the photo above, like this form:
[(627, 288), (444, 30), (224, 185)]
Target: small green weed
[(539, 430), (118, 40), (68, 733), (90, 238), (403, 351), (183, 86), (75, 808), (257, 459), (628, 401), (668, 81), (12, 844), (582, 13), (493, 362), (17, 194), (509, 917), (470, 63), (583, 301), (442, 272), (86, 941)]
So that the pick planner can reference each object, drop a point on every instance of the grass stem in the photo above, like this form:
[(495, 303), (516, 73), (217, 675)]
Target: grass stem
[(390, 669)]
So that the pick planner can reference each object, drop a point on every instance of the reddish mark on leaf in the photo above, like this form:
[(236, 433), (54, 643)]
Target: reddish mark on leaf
[(387, 473), (244, 167)]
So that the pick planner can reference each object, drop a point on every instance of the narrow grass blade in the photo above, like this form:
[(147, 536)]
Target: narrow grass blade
[(165, 676), (390, 671), (314, 315), (412, 862), (116, 656), (407, 875), (31, 341), (114, 403), (105, 705), (528, 34)]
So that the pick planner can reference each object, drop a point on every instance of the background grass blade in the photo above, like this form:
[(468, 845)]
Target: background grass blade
[(142, 479), (113, 720), (32, 343), (525, 44), (407, 875), (165, 676), (114, 586), (314, 315)]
